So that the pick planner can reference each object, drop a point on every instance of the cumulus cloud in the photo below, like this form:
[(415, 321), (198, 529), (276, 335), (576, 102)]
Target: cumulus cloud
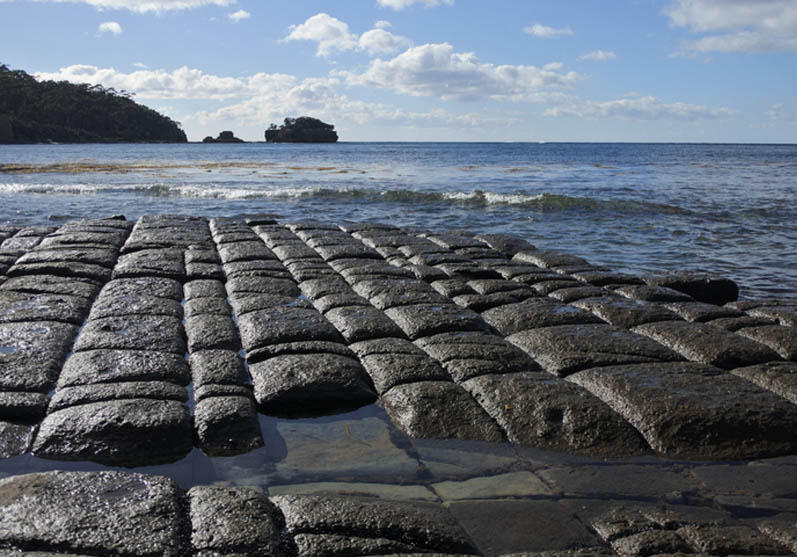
[(436, 70), (109, 27), (382, 24), (599, 56), (401, 4), (639, 108), (737, 25), (144, 6), (239, 15), (545, 32), (182, 83), (333, 35)]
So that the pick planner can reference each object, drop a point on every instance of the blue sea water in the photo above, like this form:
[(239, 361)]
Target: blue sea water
[(728, 209)]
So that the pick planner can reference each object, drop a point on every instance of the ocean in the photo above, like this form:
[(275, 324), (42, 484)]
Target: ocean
[(638, 208)]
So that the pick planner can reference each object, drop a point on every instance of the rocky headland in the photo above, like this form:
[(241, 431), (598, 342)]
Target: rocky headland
[(223, 137)]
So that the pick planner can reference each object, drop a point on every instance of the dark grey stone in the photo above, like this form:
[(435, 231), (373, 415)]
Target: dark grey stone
[(425, 272), (689, 410), (453, 287), (209, 332), (482, 302), (207, 306), (99, 513), (203, 271), (572, 294), (260, 268), (385, 294), (356, 273), (455, 241), (535, 313), (207, 256), (345, 251), (31, 354), (95, 256), (782, 340), (320, 287), (547, 259), (204, 289), (62, 269), (731, 540), (389, 370), (23, 306), (357, 323), (491, 286), (212, 390), (439, 410), (310, 383), (233, 236), (22, 406), (538, 410), (133, 305), (605, 277), (429, 319), (701, 287), (262, 285), (546, 287), (465, 355), (565, 349), (424, 525), (293, 251), (625, 313), (135, 332), (217, 367), (786, 316), (284, 324), (506, 244), (385, 346), (700, 311), (14, 440), (20, 243), (652, 542), (51, 284), (733, 324), (227, 425), (436, 258), (161, 263), (299, 347), (246, 303), (336, 545), (701, 342), (228, 520), (649, 293), (467, 270), (254, 250), (131, 432), (145, 286), (114, 366), (778, 377), (85, 394), (333, 301)]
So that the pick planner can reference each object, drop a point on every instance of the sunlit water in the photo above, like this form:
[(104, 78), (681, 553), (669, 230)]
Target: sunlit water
[(729, 209)]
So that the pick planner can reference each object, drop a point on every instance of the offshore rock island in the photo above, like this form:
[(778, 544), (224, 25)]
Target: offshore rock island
[(301, 130), (33, 111)]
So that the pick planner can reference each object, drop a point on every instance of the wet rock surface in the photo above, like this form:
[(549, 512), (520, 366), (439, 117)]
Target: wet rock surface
[(518, 393)]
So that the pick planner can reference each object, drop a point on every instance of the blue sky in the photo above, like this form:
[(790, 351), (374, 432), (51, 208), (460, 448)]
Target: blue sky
[(448, 70)]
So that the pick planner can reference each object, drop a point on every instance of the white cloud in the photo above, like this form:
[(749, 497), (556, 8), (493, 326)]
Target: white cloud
[(401, 4), (436, 70), (781, 114), (333, 35), (378, 41), (144, 6), (330, 33), (382, 24), (182, 83), (599, 56), (737, 25), (545, 32), (639, 108), (239, 15), (109, 27), (141, 65)]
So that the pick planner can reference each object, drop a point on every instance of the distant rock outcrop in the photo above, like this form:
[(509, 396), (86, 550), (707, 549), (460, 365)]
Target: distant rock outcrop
[(33, 111), (224, 137), (302, 130)]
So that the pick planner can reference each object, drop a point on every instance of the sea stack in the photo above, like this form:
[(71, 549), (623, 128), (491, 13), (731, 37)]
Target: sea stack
[(302, 130), (224, 137)]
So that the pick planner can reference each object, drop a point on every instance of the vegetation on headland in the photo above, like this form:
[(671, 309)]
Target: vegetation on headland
[(33, 111), (301, 130), (224, 137)]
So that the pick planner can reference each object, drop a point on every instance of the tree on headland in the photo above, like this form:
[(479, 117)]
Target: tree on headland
[(33, 111), (303, 129)]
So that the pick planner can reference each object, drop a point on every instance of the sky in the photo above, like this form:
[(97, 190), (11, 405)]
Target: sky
[(432, 70)]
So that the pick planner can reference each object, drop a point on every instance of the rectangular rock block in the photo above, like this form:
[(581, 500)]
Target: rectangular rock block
[(690, 410), (310, 384), (31, 354), (565, 349), (362, 322), (535, 313), (423, 320), (114, 366), (701, 342), (23, 306), (278, 325), (227, 425), (135, 332)]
